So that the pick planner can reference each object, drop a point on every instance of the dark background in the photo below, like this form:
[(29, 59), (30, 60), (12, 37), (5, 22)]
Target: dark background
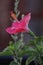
[(25, 6)]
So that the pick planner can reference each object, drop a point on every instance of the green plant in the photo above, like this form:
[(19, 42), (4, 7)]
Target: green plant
[(17, 48)]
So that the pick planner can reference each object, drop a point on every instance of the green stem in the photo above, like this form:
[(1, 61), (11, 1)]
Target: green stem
[(40, 61), (32, 34)]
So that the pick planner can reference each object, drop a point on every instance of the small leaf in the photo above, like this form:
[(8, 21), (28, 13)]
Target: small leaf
[(18, 45), (27, 51), (32, 42), (13, 63), (6, 52), (30, 59)]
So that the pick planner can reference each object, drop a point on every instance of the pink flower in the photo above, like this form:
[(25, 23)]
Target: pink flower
[(19, 26)]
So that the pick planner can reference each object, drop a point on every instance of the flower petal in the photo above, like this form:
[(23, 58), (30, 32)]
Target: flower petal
[(10, 30), (26, 18), (20, 26)]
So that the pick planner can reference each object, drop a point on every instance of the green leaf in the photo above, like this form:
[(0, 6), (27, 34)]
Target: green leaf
[(13, 63), (32, 42), (6, 52), (27, 50), (39, 40), (18, 45), (30, 59), (40, 48)]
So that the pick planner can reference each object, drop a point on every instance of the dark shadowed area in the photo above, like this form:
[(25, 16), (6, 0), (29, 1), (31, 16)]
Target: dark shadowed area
[(5, 7)]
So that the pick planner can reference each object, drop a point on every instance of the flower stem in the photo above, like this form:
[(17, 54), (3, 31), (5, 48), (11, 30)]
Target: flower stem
[(32, 34)]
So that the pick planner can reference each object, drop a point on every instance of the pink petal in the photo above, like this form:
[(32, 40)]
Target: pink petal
[(15, 24), (26, 18), (10, 30), (20, 26)]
